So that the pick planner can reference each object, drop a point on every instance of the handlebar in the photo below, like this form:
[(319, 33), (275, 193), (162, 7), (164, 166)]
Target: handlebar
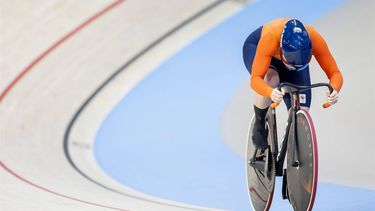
[(290, 88)]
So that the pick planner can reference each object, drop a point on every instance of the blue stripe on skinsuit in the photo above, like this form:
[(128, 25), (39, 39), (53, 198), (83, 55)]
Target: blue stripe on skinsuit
[(164, 139)]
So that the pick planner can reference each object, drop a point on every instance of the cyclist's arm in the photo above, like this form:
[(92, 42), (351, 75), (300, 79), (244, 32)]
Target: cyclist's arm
[(326, 60), (262, 60)]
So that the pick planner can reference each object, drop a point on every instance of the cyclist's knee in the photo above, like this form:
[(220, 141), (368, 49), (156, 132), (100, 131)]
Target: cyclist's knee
[(272, 78)]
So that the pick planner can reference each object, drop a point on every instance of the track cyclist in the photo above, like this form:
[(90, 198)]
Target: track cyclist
[(280, 51)]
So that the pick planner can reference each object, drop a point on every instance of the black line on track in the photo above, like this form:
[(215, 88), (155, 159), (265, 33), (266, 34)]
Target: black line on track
[(117, 72)]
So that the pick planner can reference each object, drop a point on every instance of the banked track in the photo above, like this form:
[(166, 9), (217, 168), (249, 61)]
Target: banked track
[(91, 97), (107, 81)]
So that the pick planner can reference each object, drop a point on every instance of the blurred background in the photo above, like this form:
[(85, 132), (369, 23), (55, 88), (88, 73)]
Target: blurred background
[(145, 105)]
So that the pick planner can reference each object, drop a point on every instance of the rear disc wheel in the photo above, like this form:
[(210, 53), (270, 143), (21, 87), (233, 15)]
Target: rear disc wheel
[(260, 184)]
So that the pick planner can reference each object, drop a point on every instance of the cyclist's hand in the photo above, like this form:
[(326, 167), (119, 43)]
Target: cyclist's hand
[(333, 97), (277, 96)]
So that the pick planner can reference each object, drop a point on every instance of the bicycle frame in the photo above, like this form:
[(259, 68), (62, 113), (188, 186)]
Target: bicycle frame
[(286, 137), (294, 91)]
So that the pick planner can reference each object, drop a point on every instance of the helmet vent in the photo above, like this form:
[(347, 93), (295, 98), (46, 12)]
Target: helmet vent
[(297, 30)]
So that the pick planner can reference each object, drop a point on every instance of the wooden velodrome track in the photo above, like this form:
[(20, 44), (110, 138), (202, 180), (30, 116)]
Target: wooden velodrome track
[(57, 58)]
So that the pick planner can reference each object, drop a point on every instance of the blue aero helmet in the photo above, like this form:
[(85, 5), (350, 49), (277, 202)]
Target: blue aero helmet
[(295, 46)]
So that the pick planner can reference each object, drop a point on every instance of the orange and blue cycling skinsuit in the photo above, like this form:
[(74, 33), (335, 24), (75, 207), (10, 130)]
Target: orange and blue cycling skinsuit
[(261, 51)]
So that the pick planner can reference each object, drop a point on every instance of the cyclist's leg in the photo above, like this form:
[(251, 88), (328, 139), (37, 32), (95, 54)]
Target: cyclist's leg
[(273, 80), (261, 103)]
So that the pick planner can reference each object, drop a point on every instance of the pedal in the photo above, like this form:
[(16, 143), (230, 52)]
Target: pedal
[(258, 162)]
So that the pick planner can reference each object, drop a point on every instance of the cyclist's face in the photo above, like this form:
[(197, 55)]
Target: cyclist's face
[(291, 67)]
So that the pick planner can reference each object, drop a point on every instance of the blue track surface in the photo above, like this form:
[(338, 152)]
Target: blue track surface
[(164, 137)]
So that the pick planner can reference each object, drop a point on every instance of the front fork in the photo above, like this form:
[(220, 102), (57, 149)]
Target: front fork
[(291, 128), (294, 137)]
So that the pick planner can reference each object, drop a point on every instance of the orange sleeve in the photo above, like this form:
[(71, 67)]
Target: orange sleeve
[(265, 50), (326, 60)]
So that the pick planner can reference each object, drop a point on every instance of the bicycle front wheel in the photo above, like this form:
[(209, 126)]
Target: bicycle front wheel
[(303, 179)]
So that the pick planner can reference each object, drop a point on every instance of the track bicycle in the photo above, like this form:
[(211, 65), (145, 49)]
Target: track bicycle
[(298, 146)]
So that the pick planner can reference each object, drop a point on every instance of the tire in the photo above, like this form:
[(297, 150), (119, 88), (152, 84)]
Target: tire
[(260, 185), (302, 190)]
